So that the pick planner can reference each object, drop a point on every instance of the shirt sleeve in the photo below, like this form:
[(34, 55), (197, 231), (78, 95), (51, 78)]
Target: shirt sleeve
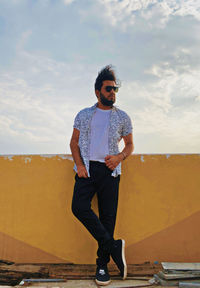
[(77, 122), (127, 127)]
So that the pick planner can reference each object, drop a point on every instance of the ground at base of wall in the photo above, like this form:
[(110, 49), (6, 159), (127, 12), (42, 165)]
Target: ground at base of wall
[(89, 284)]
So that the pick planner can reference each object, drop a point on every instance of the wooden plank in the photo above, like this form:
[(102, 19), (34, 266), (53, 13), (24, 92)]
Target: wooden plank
[(180, 266), (171, 276), (12, 274), (191, 284), (174, 282)]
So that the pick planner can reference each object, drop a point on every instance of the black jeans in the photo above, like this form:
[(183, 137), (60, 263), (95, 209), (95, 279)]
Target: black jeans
[(106, 187)]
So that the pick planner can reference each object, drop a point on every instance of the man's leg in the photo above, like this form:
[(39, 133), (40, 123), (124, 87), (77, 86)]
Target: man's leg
[(107, 194), (84, 191)]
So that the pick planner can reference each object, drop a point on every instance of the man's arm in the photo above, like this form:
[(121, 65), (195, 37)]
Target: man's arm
[(113, 160), (81, 169)]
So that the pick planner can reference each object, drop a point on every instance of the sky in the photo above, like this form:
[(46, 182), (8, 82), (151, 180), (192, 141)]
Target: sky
[(52, 50)]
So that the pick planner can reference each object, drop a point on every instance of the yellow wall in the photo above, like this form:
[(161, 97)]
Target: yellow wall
[(158, 214)]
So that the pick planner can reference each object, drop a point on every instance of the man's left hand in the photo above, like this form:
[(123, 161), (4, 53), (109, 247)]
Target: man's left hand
[(112, 161)]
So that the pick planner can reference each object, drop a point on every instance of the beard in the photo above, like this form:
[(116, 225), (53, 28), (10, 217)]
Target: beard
[(105, 101)]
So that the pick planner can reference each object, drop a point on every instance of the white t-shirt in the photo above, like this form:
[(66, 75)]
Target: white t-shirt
[(99, 135)]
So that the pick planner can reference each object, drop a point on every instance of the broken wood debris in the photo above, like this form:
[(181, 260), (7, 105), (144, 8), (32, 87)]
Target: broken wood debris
[(13, 273), (179, 274)]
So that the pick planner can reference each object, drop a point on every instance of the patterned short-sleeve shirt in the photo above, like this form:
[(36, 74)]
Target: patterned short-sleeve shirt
[(119, 125)]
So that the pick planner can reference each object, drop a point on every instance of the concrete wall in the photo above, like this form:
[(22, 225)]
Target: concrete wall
[(158, 216)]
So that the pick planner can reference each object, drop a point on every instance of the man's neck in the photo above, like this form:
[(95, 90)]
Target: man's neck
[(103, 107)]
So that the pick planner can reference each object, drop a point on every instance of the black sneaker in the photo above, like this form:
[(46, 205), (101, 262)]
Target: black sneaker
[(102, 276), (118, 256)]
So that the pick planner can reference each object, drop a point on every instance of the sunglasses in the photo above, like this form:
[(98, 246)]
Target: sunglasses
[(109, 88)]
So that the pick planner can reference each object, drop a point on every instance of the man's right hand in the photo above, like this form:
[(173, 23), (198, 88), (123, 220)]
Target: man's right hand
[(81, 171)]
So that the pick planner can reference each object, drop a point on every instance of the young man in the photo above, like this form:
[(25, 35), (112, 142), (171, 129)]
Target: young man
[(94, 146)]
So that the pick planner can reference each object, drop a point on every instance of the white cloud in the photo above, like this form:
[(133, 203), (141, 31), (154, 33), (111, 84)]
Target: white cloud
[(185, 7), (48, 71), (156, 13), (168, 107), (37, 102), (67, 2)]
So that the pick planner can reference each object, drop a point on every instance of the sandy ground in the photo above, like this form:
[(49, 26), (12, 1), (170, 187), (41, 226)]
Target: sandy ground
[(87, 283)]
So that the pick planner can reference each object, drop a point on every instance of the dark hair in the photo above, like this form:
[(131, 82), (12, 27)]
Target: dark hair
[(107, 73)]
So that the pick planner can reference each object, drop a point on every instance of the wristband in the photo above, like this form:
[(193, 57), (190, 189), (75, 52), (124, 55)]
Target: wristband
[(123, 155)]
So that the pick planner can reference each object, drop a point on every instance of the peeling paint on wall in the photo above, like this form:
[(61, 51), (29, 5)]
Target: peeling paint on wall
[(142, 158), (9, 157), (62, 156), (27, 159), (48, 155), (69, 157)]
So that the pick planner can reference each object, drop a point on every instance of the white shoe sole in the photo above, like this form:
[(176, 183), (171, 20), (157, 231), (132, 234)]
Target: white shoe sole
[(123, 259), (102, 283)]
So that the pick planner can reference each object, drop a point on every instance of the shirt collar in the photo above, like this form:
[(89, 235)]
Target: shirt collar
[(114, 108)]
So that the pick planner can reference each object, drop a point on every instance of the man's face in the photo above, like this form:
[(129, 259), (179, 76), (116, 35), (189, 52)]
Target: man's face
[(106, 98)]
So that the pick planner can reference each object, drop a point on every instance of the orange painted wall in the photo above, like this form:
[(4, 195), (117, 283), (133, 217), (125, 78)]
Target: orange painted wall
[(158, 214)]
